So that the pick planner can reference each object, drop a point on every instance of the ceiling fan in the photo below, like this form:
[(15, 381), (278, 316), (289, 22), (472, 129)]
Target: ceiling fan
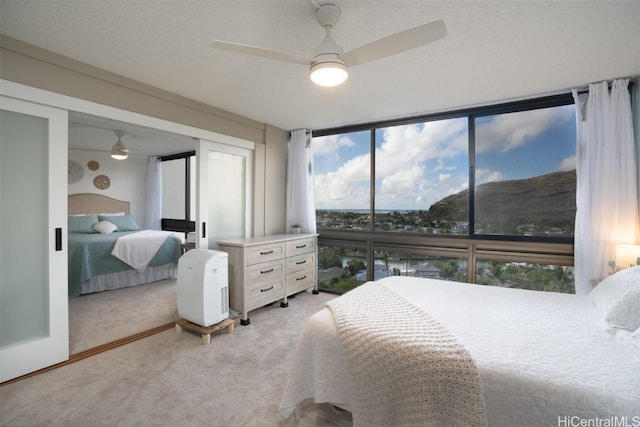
[(119, 151), (328, 67)]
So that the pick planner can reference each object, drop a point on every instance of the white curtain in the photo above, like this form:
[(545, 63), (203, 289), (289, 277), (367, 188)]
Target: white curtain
[(153, 208), (607, 191), (301, 206)]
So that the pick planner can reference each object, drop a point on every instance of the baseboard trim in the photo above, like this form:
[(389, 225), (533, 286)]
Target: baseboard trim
[(95, 350)]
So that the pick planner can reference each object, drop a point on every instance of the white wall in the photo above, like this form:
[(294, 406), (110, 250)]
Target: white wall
[(128, 179)]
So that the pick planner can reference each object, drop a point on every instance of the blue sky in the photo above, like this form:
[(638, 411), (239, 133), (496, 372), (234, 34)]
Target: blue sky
[(419, 164)]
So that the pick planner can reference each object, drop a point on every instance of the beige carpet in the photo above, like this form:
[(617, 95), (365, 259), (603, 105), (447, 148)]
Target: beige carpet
[(103, 317), (171, 379)]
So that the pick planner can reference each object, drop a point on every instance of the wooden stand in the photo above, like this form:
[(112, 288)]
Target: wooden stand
[(205, 331)]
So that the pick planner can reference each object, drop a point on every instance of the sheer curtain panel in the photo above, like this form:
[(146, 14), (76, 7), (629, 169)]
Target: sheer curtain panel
[(607, 193), (153, 208), (301, 207)]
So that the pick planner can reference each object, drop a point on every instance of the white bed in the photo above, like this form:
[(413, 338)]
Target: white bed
[(541, 357)]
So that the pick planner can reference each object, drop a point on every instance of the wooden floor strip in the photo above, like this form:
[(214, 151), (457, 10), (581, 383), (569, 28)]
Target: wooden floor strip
[(95, 350)]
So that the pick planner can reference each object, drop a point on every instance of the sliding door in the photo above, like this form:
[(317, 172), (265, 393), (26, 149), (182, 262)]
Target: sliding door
[(34, 330), (224, 190)]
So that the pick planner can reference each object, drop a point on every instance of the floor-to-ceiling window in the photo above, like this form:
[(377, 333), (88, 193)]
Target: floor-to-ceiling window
[(525, 172), (484, 195)]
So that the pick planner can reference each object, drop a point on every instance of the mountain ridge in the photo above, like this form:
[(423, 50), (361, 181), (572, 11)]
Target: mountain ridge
[(547, 199)]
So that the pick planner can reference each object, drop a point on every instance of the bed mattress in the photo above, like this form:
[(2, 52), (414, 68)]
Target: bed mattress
[(543, 358), (90, 257)]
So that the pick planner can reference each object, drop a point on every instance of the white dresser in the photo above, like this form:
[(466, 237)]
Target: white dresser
[(266, 269)]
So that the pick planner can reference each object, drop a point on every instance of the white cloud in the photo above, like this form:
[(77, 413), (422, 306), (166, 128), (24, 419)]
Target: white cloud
[(410, 144), (422, 194), (325, 145), (419, 164), (567, 164), (403, 157), (332, 193), (347, 187), (488, 175), (402, 179), (417, 194), (441, 166), (507, 131)]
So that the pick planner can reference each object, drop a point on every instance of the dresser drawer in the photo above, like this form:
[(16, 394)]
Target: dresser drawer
[(300, 280), (266, 252), (267, 271), (301, 262), (301, 246), (264, 293)]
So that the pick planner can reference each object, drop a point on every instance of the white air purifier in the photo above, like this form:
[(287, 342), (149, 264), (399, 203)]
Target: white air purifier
[(203, 286)]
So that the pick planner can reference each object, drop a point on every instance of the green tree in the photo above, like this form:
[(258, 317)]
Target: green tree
[(496, 271), (448, 269), (352, 267), (329, 257)]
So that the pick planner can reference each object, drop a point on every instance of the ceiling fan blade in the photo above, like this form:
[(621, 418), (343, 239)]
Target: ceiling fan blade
[(396, 43), (258, 51)]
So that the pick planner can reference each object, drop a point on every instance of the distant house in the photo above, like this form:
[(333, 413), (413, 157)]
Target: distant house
[(427, 270)]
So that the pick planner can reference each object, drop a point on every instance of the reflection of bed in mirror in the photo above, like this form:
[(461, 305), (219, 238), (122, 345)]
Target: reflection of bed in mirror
[(108, 249)]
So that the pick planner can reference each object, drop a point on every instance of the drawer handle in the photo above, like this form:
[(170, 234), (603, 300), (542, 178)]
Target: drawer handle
[(266, 252), (302, 278), (265, 290), (266, 271), (301, 262), (301, 246)]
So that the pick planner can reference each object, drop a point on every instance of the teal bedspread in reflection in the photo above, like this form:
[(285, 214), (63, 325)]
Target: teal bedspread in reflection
[(90, 256)]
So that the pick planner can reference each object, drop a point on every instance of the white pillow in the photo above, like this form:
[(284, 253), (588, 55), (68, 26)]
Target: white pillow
[(618, 298), (112, 214), (104, 227)]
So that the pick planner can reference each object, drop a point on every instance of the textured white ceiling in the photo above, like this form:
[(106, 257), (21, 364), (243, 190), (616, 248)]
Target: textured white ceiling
[(88, 132), (494, 51)]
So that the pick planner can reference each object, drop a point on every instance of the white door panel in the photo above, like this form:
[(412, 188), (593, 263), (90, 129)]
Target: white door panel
[(34, 329), (224, 190)]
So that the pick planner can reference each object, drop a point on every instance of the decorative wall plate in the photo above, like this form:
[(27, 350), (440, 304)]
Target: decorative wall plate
[(102, 182), (75, 172), (93, 165)]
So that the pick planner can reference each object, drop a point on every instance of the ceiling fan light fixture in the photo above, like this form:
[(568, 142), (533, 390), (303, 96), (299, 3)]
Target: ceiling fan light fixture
[(329, 63), (328, 73), (119, 151)]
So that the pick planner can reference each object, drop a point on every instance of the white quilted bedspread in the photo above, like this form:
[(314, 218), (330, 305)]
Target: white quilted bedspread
[(543, 358), (404, 368)]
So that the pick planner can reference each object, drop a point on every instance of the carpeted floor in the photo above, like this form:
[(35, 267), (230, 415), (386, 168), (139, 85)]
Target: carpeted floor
[(172, 379), (103, 317)]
